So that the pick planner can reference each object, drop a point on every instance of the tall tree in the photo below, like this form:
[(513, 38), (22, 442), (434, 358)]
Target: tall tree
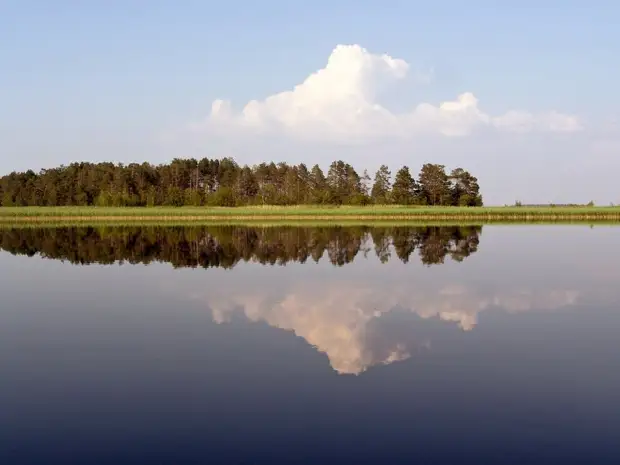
[(380, 192), (354, 186), (318, 185), (337, 182), (304, 184), (366, 183), (248, 187), (464, 189), (434, 185), (292, 186), (405, 189)]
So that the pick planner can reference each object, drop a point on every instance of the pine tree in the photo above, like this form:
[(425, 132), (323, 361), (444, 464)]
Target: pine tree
[(435, 185), (465, 191), (405, 189), (380, 192), (318, 185)]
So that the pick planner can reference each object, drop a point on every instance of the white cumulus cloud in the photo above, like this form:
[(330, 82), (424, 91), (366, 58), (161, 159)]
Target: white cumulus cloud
[(340, 101)]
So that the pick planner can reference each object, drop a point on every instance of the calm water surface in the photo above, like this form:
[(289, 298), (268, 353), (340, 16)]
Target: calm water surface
[(127, 345)]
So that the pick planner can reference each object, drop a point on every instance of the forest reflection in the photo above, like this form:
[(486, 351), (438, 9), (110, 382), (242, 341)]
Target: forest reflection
[(225, 246)]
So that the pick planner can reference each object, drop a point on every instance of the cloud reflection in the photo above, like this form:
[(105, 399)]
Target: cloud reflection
[(347, 321)]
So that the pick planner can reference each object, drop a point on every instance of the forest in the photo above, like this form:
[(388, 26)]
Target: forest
[(225, 246), (223, 182)]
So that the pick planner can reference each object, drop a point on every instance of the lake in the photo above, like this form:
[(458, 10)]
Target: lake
[(230, 344)]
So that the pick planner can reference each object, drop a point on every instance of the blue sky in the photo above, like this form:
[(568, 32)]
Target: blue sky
[(124, 80)]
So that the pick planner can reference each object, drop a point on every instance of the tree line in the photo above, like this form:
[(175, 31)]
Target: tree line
[(226, 246), (223, 182)]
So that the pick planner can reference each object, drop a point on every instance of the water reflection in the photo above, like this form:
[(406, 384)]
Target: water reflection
[(350, 318), (353, 322), (225, 246), (509, 356)]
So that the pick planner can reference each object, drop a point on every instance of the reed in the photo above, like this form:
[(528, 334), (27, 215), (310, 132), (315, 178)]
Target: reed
[(304, 213)]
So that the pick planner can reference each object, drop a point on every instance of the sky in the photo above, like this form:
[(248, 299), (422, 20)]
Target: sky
[(522, 94)]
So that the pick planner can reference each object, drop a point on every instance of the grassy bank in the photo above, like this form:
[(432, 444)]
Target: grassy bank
[(288, 223), (307, 213)]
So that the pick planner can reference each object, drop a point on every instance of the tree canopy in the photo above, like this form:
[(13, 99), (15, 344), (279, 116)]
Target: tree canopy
[(223, 182)]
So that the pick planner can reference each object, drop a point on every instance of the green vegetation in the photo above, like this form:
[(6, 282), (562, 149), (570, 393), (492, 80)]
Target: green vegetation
[(212, 190), (308, 213), (224, 183)]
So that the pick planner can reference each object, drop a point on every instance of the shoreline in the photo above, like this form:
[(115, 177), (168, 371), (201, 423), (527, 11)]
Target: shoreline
[(252, 218), (305, 214), (297, 221)]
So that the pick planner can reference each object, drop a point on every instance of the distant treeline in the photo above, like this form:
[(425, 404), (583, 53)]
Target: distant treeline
[(590, 204), (225, 183), (225, 246)]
